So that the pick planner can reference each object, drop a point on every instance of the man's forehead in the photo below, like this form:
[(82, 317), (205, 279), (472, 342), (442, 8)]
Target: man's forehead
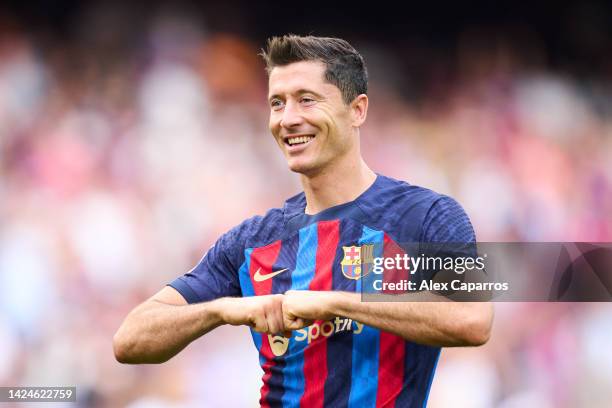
[(298, 75)]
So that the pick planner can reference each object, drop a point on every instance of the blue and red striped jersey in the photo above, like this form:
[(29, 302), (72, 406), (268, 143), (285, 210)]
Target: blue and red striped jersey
[(341, 362)]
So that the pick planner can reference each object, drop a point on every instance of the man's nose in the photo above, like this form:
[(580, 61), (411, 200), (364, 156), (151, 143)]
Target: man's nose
[(292, 116)]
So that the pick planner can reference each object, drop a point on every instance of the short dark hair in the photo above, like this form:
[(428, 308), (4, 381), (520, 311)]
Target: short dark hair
[(345, 67)]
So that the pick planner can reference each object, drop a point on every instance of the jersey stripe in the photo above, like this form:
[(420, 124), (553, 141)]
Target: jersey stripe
[(364, 376), (420, 363), (392, 347), (340, 345), (304, 271), (280, 284), (248, 290), (431, 376), (301, 277), (315, 354), (262, 259)]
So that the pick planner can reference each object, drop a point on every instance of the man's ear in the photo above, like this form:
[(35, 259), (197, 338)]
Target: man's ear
[(359, 109)]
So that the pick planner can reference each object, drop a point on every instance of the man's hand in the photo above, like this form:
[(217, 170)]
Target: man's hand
[(263, 313), (302, 307)]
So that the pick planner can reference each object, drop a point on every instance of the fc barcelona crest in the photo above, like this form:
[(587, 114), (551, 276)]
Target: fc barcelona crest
[(357, 261)]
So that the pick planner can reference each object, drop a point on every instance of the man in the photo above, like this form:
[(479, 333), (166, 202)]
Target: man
[(285, 274)]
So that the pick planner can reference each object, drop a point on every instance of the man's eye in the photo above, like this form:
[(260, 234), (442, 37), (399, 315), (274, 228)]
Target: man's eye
[(276, 104), (307, 100)]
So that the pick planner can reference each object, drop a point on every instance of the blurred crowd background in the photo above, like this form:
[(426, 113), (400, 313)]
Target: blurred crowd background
[(131, 136)]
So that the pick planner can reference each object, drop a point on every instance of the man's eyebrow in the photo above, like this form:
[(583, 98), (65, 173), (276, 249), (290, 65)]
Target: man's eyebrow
[(298, 92), (275, 96), (304, 91)]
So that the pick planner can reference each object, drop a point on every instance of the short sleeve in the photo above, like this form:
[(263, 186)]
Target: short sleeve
[(446, 221), (446, 233), (216, 275)]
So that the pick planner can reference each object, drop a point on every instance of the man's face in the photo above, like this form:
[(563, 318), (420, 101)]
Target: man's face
[(308, 118)]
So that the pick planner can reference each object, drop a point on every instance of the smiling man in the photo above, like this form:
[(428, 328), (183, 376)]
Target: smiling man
[(294, 274)]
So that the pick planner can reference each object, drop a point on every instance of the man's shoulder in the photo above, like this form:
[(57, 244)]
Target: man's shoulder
[(407, 210), (259, 228), (409, 194), (393, 193)]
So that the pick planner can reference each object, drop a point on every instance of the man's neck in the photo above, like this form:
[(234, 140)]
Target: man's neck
[(337, 185)]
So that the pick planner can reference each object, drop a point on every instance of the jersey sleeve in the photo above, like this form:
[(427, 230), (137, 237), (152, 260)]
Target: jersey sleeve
[(216, 275), (446, 221), (447, 233)]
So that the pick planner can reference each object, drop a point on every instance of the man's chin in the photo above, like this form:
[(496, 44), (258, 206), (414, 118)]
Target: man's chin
[(301, 167)]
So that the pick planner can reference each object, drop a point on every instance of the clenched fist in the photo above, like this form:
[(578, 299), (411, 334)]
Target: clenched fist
[(302, 307), (263, 313), (279, 314)]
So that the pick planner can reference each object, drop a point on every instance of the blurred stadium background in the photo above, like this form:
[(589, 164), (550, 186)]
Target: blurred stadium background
[(131, 136)]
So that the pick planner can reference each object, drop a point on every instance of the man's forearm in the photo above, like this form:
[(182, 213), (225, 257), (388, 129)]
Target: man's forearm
[(154, 332), (441, 324)]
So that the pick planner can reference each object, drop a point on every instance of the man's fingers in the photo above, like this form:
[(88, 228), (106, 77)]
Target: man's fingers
[(288, 322), (296, 324), (274, 315), (261, 324), (278, 317), (274, 326)]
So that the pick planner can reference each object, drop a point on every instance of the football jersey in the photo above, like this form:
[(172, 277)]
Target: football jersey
[(341, 362)]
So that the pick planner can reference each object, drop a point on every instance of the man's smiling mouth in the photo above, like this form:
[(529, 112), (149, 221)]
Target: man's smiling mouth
[(298, 140)]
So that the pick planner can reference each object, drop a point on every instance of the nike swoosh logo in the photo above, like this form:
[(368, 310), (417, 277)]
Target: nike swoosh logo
[(260, 278)]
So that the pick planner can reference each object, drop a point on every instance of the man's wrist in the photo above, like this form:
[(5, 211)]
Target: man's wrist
[(217, 310), (342, 303)]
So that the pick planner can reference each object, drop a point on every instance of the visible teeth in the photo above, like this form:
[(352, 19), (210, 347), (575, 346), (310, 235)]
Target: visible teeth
[(299, 139)]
